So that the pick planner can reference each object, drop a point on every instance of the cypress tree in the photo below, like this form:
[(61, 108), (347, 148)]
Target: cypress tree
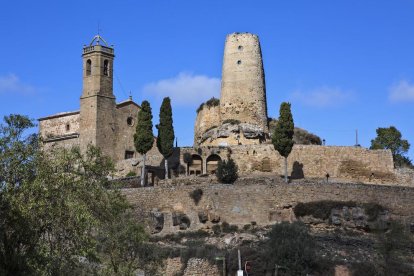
[(282, 138), (165, 140), (143, 137)]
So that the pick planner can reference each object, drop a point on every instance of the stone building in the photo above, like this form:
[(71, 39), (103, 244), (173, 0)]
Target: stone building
[(240, 115), (100, 121), (235, 125)]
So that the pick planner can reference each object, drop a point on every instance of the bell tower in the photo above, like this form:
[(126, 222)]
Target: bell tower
[(97, 103)]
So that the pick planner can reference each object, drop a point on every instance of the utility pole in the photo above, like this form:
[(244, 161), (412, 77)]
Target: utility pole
[(240, 271)]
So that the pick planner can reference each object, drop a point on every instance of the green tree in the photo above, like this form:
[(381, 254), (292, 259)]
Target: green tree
[(391, 138), (52, 205), (282, 137), (143, 137), (227, 172), (165, 140), (291, 248)]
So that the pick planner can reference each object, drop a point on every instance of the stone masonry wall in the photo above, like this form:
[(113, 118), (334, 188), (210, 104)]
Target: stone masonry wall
[(307, 161), (263, 201), (207, 118), (243, 92), (55, 126)]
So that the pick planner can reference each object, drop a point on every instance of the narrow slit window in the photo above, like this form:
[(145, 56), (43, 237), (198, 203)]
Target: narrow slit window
[(106, 67), (88, 67)]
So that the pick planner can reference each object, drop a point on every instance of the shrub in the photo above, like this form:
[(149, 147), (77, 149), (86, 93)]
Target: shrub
[(320, 209), (227, 172), (210, 103), (216, 229), (228, 228), (291, 246), (131, 174), (196, 195)]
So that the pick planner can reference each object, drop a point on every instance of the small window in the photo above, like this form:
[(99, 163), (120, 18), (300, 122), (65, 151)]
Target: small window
[(240, 48), (88, 67), (67, 127), (239, 62), (130, 121), (129, 154), (106, 67)]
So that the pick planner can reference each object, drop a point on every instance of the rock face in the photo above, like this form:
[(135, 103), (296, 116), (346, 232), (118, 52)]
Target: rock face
[(241, 116)]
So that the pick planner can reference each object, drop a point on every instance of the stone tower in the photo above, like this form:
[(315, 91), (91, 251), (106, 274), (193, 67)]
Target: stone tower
[(243, 92), (97, 103)]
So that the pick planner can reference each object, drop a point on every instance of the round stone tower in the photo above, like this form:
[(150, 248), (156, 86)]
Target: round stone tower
[(243, 91)]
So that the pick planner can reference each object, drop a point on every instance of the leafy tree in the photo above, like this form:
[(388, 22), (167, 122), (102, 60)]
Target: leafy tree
[(143, 137), (282, 137), (291, 248), (227, 172), (391, 138), (165, 140), (52, 205)]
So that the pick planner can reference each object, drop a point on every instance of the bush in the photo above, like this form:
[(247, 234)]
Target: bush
[(196, 195), (227, 172), (322, 209), (228, 228), (291, 247), (210, 103), (131, 174)]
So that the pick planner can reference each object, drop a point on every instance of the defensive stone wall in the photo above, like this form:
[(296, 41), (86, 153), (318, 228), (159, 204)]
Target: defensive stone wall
[(207, 118), (305, 161), (262, 200)]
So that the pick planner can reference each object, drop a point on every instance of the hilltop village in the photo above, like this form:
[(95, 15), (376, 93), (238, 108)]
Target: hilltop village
[(236, 125)]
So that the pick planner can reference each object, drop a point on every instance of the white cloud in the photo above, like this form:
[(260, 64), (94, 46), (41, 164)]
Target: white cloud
[(185, 89), (12, 84), (402, 92), (322, 96)]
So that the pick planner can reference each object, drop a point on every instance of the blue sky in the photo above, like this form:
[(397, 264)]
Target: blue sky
[(344, 65)]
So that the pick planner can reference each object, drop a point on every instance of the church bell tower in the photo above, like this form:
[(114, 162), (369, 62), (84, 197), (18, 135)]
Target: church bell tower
[(97, 103)]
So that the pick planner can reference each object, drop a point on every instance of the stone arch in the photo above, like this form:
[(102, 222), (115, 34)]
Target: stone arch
[(212, 163), (196, 166)]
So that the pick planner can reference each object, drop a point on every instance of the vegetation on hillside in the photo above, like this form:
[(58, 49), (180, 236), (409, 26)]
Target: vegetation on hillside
[(59, 212), (391, 138), (227, 171)]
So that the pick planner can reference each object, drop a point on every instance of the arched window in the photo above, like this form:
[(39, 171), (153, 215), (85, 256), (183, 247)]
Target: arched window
[(88, 67), (106, 67), (212, 163)]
